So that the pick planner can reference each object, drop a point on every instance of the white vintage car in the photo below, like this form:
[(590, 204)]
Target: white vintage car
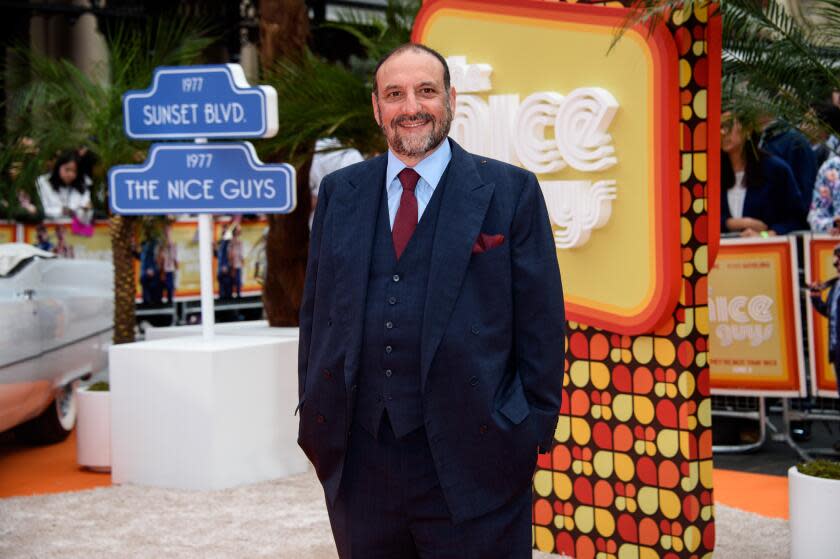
[(56, 322)]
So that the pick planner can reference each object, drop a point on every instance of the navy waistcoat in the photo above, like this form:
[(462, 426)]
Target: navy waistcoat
[(389, 372)]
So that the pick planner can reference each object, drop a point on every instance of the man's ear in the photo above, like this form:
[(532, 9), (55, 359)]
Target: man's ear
[(452, 96), (375, 109)]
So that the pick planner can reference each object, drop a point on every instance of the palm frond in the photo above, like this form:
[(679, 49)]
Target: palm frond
[(61, 107), (318, 99)]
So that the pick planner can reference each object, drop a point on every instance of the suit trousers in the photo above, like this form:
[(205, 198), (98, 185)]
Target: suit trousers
[(391, 506)]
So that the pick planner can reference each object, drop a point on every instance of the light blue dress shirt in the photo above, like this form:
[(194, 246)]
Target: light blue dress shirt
[(430, 171)]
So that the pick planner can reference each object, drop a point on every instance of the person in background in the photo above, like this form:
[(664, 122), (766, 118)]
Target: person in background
[(329, 156), (64, 192), (829, 308), (759, 196), (790, 145), (236, 261), (828, 135), (222, 264), (43, 240), (150, 272), (169, 263)]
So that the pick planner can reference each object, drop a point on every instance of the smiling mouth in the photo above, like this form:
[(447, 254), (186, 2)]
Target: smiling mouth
[(413, 124)]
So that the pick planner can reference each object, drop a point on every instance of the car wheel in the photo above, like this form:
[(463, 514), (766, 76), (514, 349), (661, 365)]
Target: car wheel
[(55, 423)]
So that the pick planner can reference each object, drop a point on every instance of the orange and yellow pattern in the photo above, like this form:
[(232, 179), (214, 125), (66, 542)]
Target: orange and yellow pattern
[(630, 475)]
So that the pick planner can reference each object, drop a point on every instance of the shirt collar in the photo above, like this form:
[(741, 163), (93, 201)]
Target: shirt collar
[(430, 169)]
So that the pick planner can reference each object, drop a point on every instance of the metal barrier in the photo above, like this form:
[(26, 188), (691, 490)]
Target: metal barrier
[(808, 409)]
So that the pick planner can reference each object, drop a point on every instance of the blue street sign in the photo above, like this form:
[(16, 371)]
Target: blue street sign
[(202, 178), (213, 101)]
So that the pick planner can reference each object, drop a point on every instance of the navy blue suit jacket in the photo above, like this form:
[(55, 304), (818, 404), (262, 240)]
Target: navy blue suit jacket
[(492, 345)]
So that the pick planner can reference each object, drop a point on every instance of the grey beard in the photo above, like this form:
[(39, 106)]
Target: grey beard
[(412, 147)]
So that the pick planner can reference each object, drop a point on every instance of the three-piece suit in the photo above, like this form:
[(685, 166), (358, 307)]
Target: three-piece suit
[(458, 343)]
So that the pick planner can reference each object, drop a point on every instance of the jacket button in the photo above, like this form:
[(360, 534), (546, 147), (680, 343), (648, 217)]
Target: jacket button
[(388, 349), (392, 300), (396, 278), (473, 381), (388, 373), (474, 329), (482, 429), (320, 418), (389, 325), (327, 374), (353, 388)]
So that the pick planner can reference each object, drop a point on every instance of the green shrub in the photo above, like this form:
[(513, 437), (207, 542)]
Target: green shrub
[(100, 386), (820, 468)]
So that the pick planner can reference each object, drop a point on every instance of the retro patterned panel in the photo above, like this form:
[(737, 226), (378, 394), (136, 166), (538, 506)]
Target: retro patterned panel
[(630, 475)]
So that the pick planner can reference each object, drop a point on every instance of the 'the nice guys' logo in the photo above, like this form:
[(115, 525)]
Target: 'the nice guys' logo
[(742, 318)]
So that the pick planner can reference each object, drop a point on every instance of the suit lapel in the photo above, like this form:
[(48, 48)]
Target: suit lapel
[(463, 207), (355, 226)]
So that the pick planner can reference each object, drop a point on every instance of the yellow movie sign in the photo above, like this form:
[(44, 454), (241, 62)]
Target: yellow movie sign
[(600, 131), (819, 251), (97, 246), (8, 231), (755, 338), (65, 243)]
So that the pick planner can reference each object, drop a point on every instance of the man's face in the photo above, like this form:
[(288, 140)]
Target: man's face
[(411, 105)]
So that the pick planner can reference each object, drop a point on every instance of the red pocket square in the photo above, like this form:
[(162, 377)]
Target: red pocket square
[(486, 242)]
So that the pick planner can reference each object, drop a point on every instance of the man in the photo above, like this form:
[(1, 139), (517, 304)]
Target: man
[(792, 146), (169, 263), (223, 275), (431, 336), (830, 309)]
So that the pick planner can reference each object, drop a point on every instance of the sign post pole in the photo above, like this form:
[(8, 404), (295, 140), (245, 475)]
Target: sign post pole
[(205, 267), (205, 259)]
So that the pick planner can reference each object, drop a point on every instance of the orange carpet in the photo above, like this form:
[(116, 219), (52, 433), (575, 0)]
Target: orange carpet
[(46, 469), (53, 469), (759, 493)]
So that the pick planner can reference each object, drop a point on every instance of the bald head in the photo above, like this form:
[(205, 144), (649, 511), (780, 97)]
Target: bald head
[(415, 47)]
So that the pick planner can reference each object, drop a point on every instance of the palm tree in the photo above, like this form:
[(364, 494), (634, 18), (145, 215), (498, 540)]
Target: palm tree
[(284, 33), (61, 107), (776, 59), (318, 99)]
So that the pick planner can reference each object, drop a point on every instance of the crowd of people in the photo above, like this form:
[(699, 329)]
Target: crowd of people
[(775, 178)]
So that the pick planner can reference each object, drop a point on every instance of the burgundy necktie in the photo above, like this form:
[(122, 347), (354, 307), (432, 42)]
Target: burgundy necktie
[(406, 220)]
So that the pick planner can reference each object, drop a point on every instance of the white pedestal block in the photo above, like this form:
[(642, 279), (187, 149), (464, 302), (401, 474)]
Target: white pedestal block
[(242, 328), (194, 414)]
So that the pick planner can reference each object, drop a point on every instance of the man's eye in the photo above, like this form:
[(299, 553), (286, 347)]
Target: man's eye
[(394, 94)]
